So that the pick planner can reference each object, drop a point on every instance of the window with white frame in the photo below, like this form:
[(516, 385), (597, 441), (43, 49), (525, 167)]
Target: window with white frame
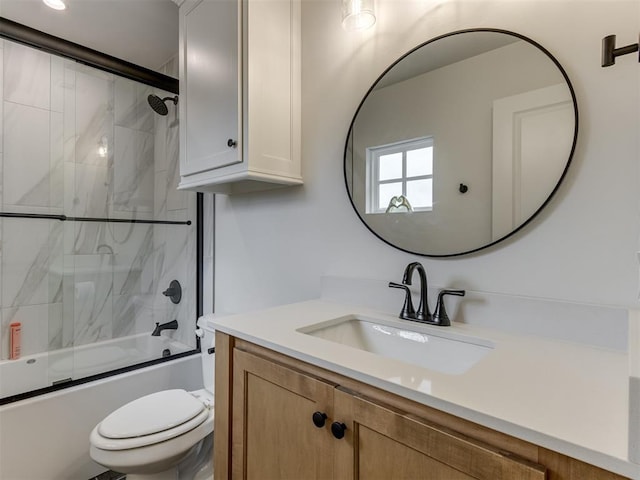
[(403, 168)]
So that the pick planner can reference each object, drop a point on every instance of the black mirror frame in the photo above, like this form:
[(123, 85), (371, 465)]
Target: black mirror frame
[(544, 204)]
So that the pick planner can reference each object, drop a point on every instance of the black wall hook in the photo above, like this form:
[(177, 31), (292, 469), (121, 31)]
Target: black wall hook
[(610, 52)]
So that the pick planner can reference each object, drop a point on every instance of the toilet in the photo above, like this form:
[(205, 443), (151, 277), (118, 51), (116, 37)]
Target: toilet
[(167, 435)]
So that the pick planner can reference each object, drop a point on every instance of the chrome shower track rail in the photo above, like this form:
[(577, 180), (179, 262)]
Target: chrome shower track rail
[(65, 218)]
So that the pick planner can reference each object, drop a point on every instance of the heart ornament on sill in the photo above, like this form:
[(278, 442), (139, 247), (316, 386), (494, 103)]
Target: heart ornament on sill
[(399, 204)]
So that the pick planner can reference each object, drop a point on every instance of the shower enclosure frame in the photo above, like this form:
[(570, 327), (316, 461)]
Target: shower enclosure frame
[(19, 33)]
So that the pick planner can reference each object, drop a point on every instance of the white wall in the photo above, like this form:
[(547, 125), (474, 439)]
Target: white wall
[(273, 247)]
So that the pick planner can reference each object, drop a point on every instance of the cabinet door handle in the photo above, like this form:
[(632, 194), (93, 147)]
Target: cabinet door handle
[(231, 143), (338, 429), (319, 419)]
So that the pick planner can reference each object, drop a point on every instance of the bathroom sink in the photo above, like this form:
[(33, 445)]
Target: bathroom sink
[(445, 352)]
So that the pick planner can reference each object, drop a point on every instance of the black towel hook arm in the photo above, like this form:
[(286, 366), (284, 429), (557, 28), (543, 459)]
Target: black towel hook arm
[(610, 52)]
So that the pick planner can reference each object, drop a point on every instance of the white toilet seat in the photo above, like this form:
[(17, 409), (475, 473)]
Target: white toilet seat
[(151, 414), (105, 443), (151, 419)]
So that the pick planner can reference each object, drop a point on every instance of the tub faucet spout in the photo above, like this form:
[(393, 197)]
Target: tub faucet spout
[(172, 325)]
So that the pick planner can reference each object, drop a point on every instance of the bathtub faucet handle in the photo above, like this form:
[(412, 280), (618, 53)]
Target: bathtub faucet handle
[(174, 292)]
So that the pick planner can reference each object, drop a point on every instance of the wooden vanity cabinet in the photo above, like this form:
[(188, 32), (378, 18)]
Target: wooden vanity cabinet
[(239, 63), (265, 429)]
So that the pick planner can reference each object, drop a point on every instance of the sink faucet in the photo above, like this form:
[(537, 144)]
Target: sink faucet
[(172, 325), (423, 314)]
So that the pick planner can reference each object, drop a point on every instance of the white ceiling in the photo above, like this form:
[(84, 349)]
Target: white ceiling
[(144, 32)]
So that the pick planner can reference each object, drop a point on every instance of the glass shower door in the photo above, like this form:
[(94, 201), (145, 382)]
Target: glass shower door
[(93, 227)]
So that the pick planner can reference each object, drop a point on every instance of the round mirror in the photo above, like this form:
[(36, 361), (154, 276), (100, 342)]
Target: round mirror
[(460, 142)]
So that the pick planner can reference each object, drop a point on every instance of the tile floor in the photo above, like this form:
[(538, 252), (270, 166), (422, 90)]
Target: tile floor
[(110, 475)]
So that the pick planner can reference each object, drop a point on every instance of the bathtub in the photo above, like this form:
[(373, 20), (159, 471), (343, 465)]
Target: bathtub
[(47, 436), (41, 370)]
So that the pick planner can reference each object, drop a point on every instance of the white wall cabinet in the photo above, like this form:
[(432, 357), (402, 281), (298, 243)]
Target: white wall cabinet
[(239, 95)]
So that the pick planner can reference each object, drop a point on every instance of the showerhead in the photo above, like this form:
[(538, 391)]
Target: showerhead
[(158, 104)]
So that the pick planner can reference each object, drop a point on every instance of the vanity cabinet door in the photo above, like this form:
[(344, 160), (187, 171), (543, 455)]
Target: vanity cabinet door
[(274, 434), (382, 443)]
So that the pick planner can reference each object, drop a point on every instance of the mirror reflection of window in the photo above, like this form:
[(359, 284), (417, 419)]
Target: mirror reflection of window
[(402, 169)]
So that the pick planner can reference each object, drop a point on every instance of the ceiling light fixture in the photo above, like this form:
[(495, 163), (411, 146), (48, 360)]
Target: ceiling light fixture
[(357, 14), (55, 4)]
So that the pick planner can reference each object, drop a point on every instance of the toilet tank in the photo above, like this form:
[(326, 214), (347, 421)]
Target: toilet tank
[(207, 342)]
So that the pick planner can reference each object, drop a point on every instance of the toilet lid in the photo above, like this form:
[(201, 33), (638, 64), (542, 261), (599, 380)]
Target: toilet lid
[(151, 414)]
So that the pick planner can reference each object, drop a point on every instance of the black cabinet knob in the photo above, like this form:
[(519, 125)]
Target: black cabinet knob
[(338, 429), (319, 419), (231, 143)]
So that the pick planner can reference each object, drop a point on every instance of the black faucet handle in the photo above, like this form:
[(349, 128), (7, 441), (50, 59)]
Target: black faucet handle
[(449, 291), (408, 312), (440, 316), (174, 292)]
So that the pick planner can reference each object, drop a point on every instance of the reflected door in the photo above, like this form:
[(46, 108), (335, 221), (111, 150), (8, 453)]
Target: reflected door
[(531, 131)]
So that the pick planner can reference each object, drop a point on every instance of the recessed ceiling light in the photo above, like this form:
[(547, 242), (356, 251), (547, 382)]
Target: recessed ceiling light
[(55, 4)]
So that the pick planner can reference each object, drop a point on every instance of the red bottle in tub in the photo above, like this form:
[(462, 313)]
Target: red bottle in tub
[(14, 340)]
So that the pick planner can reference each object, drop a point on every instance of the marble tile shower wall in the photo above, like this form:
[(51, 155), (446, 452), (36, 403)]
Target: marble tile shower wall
[(84, 143)]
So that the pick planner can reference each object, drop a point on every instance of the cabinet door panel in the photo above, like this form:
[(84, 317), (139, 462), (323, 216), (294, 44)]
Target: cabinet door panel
[(273, 433), (376, 430), (270, 80), (209, 78), (382, 458)]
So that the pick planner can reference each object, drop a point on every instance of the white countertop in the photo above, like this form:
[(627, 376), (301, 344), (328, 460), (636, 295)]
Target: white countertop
[(567, 397)]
